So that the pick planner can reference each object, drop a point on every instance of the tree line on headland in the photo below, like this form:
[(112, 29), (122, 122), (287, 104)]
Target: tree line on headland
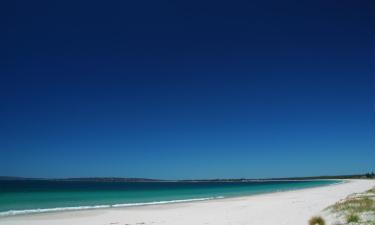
[(369, 175)]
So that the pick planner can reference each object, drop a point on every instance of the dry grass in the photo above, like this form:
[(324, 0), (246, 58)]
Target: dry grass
[(317, 220)]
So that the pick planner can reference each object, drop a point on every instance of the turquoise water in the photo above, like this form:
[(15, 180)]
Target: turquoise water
[(20, 197)]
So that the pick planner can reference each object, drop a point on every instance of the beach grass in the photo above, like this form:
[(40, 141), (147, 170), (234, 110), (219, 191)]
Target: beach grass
[(357, 208), (355, 205), (352, 218)]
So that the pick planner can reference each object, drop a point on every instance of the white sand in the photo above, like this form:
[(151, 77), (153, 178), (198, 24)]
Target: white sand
[(283, 208)]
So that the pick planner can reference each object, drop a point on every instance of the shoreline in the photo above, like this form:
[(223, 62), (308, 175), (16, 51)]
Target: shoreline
[(297, 205), (37, 211)]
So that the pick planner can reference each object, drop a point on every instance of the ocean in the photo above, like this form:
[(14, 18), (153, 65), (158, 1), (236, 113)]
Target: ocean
[(36, 196)]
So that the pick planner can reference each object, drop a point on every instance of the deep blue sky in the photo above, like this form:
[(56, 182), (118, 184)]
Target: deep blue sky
[(187, 89)]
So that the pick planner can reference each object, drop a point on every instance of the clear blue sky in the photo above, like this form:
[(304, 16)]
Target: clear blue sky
[(187, 89)]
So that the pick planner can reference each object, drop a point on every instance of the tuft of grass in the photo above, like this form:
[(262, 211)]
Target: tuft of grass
[(352, 218), (317, 220)]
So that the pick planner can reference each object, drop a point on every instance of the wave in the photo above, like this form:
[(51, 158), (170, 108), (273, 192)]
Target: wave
[(75, 208)]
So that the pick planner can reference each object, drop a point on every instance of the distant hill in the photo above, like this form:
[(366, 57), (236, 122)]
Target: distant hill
[(18, 178), (102, 179), (109, 179), (122, 179), (355, 176)]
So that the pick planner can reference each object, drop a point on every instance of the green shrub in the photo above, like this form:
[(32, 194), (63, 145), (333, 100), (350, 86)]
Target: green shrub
[(352, 218), (317, 220)]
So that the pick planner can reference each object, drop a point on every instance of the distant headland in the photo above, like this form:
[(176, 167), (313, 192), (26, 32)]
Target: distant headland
[(124, 179)]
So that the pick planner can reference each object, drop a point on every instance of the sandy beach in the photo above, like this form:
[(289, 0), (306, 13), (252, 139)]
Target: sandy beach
[(287, 208)]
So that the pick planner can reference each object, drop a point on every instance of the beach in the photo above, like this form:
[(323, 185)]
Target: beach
[(293, 207)]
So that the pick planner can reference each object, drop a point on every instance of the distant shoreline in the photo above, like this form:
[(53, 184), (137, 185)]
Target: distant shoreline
[(131, 179)]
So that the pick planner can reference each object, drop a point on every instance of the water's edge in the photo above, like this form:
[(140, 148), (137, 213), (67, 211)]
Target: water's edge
[(74, 208), (105, 206)]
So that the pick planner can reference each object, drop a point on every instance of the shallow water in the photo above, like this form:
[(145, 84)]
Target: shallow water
[(32, 196)]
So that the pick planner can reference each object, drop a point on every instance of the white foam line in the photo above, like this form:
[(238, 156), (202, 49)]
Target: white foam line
[(59, 209)]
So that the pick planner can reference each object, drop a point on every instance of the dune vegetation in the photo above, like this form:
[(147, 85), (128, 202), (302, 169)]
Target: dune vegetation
[(356, 209)]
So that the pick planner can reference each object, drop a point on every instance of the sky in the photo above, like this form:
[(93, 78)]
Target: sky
[(187, 89)]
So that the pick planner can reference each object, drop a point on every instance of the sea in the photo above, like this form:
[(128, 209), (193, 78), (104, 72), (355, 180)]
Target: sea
[(38, 196)]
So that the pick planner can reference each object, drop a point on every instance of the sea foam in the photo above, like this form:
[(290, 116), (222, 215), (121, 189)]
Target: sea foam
[(75, 208)]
